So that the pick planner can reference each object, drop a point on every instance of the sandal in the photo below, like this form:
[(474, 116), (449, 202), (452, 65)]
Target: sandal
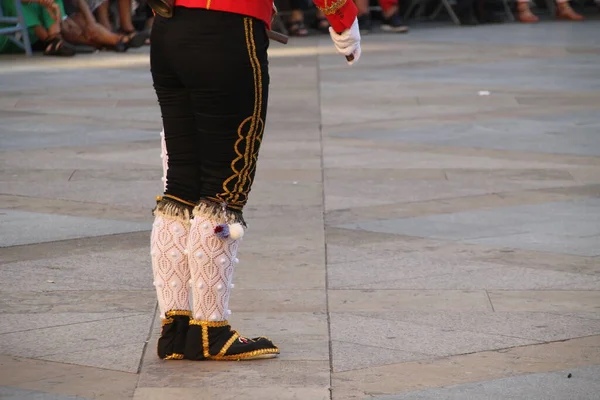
[(58, 47), (297, 28), (127, 42), (136, 39)]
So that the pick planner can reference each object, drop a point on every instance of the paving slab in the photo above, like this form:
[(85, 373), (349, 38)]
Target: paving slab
[(576, 384), (547, 300), (46, 378), (115, 343), (476, 367), (127, 270), (36, 133), (20, 227), (570, 134), (9, 393), (569, 227), (414, 337), (272, 392), (535, 325)]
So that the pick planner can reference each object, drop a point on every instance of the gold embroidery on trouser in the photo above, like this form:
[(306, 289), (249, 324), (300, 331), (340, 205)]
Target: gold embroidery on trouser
[(238, 195)]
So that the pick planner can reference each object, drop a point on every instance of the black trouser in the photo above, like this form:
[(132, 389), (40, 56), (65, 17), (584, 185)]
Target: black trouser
[(210, 73)]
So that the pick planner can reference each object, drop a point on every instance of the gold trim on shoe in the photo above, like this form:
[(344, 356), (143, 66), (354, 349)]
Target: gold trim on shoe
[(182, 313), (228, 344), (174, 356), (209, 324), (174, 313), (205, 325), (250, 355), (205, 344)]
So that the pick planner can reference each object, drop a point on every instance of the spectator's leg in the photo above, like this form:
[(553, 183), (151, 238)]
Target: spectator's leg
[(524, 14), (364, 16), (51, 24), (125, 22), (96, 34), (391, 20), (564, 11), (363, 6), (42, 33), (56, 45), (103, 14)]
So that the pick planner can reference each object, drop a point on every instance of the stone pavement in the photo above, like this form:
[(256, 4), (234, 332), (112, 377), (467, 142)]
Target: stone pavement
[(411, 236)]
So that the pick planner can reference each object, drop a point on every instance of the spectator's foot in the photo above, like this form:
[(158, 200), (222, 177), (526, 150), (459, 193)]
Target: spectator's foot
[(564, 11), (126, 42), (525, 15), (134, 39), (364, 24), (393, 24), (58, 47), (297, 28)]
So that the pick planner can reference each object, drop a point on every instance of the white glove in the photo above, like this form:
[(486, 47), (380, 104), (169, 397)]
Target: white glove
[(347, 42)]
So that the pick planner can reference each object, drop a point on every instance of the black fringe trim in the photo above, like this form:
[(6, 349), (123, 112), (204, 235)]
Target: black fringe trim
[(173, 209), (216, 211)]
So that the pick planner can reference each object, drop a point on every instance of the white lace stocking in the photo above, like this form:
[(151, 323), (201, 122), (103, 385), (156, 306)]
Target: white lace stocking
[(170, 263), (211, 261)]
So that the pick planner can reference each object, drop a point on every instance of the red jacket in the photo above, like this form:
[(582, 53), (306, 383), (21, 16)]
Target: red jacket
[(340, 13)]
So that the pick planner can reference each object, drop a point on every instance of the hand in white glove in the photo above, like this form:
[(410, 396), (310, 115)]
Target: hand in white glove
[(347, 42)]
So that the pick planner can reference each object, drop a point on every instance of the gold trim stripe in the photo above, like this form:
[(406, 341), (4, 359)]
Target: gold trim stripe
[(227, 345), (256, 121), (205, 348), (209, 324), (168, 196), (246, 356), (174, 356), (256, 128), (181, 313)]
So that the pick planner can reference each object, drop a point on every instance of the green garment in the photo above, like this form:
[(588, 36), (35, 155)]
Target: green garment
[(34, 15)]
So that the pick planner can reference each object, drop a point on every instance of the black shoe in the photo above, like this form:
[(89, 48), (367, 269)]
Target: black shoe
[(171, 344), (364, 24), (207, 340), (393, 24)]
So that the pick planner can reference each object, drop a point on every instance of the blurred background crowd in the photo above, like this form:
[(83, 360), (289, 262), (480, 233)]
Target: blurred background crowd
[(68, 27)]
